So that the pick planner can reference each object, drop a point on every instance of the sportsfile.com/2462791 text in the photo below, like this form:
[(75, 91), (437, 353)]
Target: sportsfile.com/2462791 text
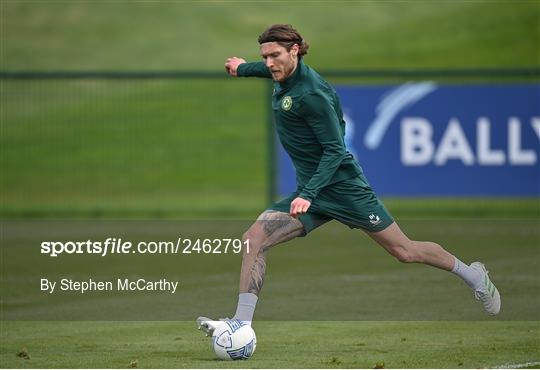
[(118, 246)]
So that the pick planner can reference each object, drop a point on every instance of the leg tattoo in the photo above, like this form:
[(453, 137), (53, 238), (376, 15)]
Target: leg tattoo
[(271, 228), (258, 271)]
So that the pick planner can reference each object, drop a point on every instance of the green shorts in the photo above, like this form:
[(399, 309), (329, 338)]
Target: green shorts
[(351, 202)]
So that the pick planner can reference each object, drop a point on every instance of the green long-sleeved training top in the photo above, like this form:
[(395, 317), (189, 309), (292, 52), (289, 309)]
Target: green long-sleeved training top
[(310, 126)]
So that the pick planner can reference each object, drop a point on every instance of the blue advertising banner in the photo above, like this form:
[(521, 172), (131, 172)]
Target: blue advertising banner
[(440, 140)]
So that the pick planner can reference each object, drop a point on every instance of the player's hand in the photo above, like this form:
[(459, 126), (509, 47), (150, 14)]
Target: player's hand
[(232, 64), (299, 206)]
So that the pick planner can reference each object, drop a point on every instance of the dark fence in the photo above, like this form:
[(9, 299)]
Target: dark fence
[(330, 73), (160, 143)]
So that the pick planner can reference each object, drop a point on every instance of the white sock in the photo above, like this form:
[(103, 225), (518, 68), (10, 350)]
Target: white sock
[(472, 277), (246, 307)]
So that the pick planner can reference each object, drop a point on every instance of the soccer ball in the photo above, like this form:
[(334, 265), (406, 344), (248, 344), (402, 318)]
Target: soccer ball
[(234, 340)]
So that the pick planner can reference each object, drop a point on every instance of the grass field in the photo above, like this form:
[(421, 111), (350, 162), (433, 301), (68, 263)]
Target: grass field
[(155, 159), (54, 35), (363, 306), (194, 148), (281, 344)]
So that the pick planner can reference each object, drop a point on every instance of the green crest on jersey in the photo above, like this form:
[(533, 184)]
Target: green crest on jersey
[(286, 103)]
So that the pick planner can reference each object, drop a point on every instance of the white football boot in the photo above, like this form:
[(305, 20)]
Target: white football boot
[(208, 325), (487, 293)]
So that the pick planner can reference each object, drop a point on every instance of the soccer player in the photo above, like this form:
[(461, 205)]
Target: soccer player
[(330, 183)]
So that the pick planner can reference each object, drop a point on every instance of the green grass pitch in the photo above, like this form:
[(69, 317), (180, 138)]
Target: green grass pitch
[(290, 344), (333, 299), (170, 151)]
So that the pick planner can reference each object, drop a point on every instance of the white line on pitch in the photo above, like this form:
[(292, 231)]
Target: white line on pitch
[(517, 366)]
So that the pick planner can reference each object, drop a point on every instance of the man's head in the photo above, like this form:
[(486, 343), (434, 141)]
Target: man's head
[(281, 48)]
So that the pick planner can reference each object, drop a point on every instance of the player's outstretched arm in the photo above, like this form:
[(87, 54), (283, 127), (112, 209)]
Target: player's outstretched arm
[(231, 65), (238, 67)]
